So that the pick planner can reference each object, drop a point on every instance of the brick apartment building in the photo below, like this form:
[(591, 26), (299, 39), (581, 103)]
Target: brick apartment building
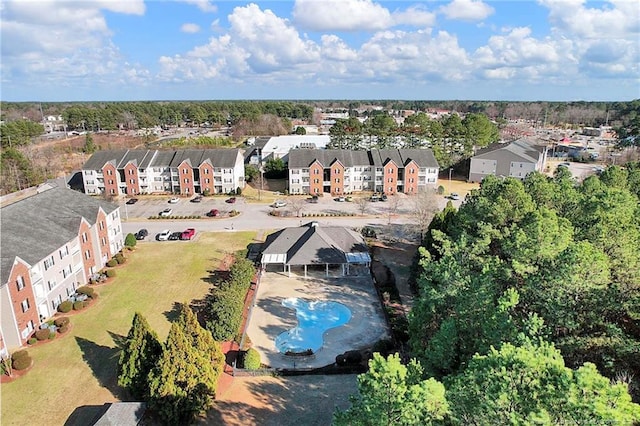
[(52, 242), (338, 172), (185, 172)]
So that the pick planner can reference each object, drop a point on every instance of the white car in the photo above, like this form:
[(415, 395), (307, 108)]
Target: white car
[(166, 212), (279, 203), (174, 200), (164, 235)]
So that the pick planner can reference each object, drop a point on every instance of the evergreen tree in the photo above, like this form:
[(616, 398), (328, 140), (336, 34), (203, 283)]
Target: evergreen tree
[(200, 338), (140, 353), (183, 382)]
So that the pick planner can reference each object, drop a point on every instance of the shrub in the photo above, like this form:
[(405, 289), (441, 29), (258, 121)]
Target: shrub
[(111, 273), (251, 359), (78, 305), (65, 306), (21, 363), (111, 263), (63, 329), (85, 290), (383, 346), (130, 240), (440, 190), (120, 258), (52, 335), (238, 191), (94, 296), (42, 334), (32, 341), (20, 354), (61, 322)]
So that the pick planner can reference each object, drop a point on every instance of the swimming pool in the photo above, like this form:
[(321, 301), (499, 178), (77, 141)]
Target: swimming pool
[(314, 318)]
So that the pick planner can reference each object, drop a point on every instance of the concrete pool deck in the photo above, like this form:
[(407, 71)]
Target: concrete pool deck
[(269, 317)]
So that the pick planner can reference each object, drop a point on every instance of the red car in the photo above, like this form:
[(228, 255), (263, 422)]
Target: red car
[(213, 213), (188, 234), (231, 200)]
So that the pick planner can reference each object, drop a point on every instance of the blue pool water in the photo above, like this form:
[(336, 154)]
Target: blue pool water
[(314, 318)]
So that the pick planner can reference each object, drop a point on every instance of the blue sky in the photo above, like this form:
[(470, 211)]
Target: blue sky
[(110, 50)]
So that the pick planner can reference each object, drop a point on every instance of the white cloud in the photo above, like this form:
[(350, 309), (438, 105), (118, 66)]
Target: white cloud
[(203, 5), (467, 10), (341, 15), (190, 28), (416, 16)]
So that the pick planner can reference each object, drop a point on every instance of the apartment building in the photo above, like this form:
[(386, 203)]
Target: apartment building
[(52, 242), (339, 172), (185, 172), (515, 159)]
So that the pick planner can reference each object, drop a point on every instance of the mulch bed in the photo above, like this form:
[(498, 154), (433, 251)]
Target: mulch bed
[(16, 374)]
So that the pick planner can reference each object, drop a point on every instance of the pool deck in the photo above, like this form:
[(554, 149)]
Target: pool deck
[(269, 318)]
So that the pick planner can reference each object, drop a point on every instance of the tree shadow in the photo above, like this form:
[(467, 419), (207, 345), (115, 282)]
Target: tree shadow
[(103, 361), (118, 339), (215, 277), (173, 314), (86, 415)]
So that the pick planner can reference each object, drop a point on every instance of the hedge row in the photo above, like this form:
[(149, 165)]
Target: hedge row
[(176, 217), (339, 214), (225, 303)]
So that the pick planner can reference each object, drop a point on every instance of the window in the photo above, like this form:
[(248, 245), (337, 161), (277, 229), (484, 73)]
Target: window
[(51, 284), (184, 171), (27, 330), (186, 181), (110, 172), (20, 282), (316, 171), (48, 263), (130, 171), (113, 191), (87, 254), (337, 171), (206, 171), (305, 170), (295, 171), (110, 181), (390, 180), (64, 251), (103, 241), (66, 272), (206, 180), (132, 181), (101, 225), (411, 180), (412, 170), (316, 181), (25, 305), (84, 237), (337, 180)]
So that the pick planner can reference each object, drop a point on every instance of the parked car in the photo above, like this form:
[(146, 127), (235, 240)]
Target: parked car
[(340, 199), (279, 203), (383, 197), (374, 198), (313, 199), (175, 236), (196, 199), (164, 235), (349, 198), (454, 196), (166, 212), (174, 200), (132, 200), (231, 200), (188, 234), (213, 213), (142, 234)]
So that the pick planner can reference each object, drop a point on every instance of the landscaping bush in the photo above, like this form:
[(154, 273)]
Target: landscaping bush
[(440, 190), (42, 334), (238, 191), (61, 322), (111, 263), (32, 341), (86, 290), (20, 354), (130, 240), (65, 306), (77, 306), (52, 335), (63, 329), (251, 359), (120, 258), (383, 346), (21, 363), (111, 273)]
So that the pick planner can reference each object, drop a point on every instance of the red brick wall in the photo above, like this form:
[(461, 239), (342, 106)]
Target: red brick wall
[(131, 174), (84, 246), (390, 178), (23, 318), (411, 178), (204, 176), (316, 173), (110, 180), (337, 179), (186, 178), (103, 235)]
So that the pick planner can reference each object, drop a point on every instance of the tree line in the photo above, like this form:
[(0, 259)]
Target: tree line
[(451, 137), (528, 309)]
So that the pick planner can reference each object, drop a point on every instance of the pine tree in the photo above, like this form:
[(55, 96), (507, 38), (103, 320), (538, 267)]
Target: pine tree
[(200, 338), (183, 382), (139, 355)]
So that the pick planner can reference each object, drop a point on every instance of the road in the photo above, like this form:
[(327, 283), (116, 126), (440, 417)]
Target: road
[(255, 216)]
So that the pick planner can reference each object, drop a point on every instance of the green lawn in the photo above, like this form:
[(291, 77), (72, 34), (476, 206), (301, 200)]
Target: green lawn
[(79, 369)]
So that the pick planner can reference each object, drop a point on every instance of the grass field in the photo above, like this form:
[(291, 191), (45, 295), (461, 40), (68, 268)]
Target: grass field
[(79, 369)]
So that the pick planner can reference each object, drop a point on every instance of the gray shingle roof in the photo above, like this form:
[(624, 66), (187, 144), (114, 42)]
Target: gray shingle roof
[(36, 226), (522, 149), (307, 244), (155, 158), (301, 158)]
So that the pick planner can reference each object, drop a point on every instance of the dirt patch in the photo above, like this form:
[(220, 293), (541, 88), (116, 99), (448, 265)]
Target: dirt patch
[(282, 401)]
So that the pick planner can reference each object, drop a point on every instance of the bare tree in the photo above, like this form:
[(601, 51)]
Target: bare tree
[(296, 205), (362, 203), (258, 183), (425, 205), (393, 204)]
